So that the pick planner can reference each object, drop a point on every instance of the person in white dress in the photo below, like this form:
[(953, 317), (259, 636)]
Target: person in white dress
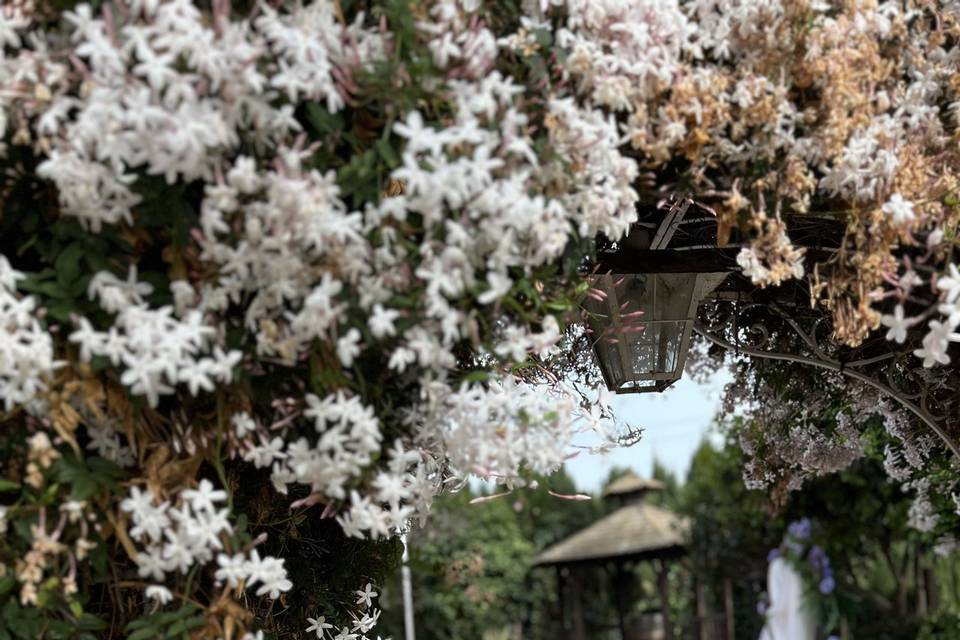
[(788, 618)]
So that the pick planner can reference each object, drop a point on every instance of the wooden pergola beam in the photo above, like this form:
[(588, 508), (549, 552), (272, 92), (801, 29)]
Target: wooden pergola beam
[(669, 261), (712, 260)]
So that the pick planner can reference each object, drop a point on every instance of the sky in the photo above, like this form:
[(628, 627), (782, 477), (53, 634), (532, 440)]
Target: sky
[(674, 423)]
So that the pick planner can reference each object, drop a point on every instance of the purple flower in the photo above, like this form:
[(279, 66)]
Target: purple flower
[(816, 557), (833, 637), (800, 529), (773, 555), (827, 585), (761, 607)]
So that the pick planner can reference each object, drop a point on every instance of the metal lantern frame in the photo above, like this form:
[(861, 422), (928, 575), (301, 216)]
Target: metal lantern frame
[(651, 354)]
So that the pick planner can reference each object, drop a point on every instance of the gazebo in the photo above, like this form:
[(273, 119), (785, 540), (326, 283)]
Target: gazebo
[(636, 532)]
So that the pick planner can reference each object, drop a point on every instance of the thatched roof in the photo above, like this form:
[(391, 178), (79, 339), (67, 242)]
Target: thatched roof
[(630, 482), (635, 530)]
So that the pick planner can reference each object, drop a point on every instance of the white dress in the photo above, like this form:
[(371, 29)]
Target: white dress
[(787, 617)]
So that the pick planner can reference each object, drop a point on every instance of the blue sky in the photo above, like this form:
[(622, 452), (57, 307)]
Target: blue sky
[(675, 422)]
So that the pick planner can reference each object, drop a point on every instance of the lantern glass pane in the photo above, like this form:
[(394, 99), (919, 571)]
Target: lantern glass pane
[(639, 350)]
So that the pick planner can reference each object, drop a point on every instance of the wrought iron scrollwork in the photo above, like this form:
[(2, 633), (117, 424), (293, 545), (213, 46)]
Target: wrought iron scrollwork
[(764, 330)]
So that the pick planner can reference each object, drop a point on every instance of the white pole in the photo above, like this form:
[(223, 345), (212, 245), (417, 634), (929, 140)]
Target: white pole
[(408, 628)]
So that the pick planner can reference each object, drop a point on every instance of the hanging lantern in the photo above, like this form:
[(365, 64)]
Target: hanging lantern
[(641, 326)]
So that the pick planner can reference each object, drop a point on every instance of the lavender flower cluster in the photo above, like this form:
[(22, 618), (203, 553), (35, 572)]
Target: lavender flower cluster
[(798, 547)]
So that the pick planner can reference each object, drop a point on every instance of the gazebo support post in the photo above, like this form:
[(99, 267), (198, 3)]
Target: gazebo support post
[(579, 629), (560, 604), (619, 587), (664, 589)]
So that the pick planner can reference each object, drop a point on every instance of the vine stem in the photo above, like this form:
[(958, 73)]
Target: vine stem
[(917, 410)]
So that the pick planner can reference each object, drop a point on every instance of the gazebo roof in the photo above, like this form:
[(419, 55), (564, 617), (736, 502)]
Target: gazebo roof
[(629, 483), (634, 530)]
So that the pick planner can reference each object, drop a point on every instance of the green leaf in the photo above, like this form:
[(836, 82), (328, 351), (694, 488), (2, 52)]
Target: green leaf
[(84, 488), (322, 120), (403, 302), (139, 623), (8, 485), (106, 468), (60, 310), (58, 630), (41, 283), (543, 36), (183, 626), (67, 263), (7, 583), (89, 622), (87, 477), (477, 376), (388, 153), (144, 634)]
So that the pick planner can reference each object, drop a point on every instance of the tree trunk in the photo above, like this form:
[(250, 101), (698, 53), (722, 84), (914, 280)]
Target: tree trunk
[(920, 585), (933, 589), (898, 579), (728, 608), (701, 629)]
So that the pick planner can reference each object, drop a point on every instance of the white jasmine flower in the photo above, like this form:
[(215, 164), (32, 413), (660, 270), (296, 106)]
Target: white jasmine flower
[(233, 569), (8, 275), (150, 564), (265, 453), (935, 343), (270, 573), (202, 498), (382, 321), (348, 347), (148, 519), (345, 634), (898, 324), (243, 424), (401, 358), (900, 210), (950, 283), (159, 593), (319, 626), (500, 285), (366, 595), (909, 280)]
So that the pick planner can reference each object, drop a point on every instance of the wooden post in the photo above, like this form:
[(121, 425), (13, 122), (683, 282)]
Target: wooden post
[(562, 612), (665, 599), (579, 632), (728, 608), (619, 584)]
